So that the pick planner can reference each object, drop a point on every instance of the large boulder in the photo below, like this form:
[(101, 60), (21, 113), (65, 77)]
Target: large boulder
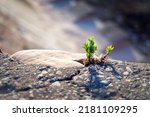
[(55, 58)]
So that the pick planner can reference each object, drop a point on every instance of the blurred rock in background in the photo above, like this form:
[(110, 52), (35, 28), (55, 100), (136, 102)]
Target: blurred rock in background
[(66, 24)]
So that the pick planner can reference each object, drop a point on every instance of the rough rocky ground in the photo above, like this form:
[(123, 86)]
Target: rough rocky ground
[(115, 80)]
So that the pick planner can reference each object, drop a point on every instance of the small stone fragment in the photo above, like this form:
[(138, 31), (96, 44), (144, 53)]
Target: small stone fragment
[(100, 72), (57, 83), (83, 90), (100, 76), (129, 69), (14, 97), (105, 82), (144, 84), (44, 72), (128, 80), (108, 69), (40, 76), (31, 94), (126, 73), (58, 72), (110, 78)]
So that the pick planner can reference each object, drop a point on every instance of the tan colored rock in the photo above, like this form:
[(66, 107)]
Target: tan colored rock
[(55, 58)]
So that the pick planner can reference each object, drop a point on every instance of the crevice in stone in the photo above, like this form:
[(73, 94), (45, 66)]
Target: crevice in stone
[(67, 78), (23, 89), (70, 77)]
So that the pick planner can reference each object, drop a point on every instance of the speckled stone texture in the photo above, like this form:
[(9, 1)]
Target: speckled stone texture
[(114, 80)]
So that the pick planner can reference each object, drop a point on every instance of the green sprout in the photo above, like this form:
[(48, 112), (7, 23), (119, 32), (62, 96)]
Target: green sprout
[(90, 48), (109, 49)]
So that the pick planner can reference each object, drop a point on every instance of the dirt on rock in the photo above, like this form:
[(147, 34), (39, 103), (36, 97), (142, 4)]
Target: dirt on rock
[(114, 80)]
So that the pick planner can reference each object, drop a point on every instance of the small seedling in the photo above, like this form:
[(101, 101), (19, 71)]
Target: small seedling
[(109, 49), (90, 48)]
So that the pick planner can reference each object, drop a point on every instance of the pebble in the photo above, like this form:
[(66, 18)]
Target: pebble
[(46, 83), (75, 92), (44, 72), (40, 76), (51, 75), (75, 78), (143, 89), (136, 76), (58, 72), (83, 90), (40, 82), (139, 78), (110, 85), (129, 69), (75, 85), (100, 76), (144, 84), (80, 77), (108, 69), (110, 78), (7, 73), (5, 64), (57, 83), (31, 94), (100, 72), (2, 68), (6, 79), (34, 73), (128, 80), (14, 97), (105, 82), (126, 73)]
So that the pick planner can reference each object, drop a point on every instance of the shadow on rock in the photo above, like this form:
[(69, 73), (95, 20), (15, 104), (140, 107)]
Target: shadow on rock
[(114, 72), (6, 88), (98, 85)]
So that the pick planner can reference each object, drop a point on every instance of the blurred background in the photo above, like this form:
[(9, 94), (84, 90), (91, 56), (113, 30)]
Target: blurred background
[(67, 24)]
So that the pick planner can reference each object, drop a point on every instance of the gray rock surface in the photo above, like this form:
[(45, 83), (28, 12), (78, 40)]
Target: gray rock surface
[(26, 81)]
